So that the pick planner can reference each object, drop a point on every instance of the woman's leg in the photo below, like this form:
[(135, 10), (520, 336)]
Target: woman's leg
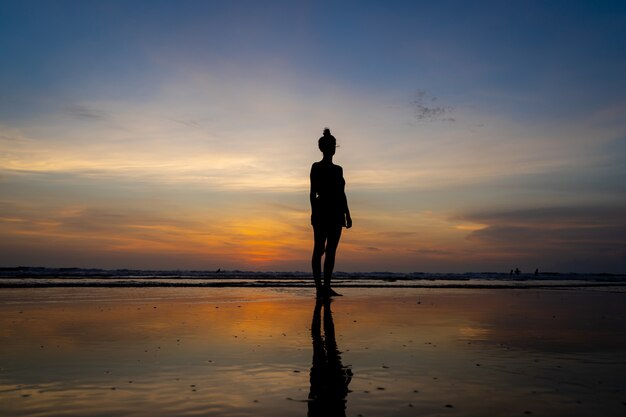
[(319, 237), (332, 240)]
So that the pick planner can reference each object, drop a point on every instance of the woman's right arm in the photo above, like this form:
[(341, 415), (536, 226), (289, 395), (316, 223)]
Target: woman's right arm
[(313, 192)]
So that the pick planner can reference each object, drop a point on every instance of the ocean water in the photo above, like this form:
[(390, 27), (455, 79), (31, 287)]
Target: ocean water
[(80, 277)]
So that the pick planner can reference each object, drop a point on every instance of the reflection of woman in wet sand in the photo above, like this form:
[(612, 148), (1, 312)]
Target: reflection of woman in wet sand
[(330, 212), (329, 378)]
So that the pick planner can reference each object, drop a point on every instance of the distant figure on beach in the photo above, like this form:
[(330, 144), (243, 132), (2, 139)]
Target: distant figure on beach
[(536, 272), (329, 212), (517, 271), (329, 377)]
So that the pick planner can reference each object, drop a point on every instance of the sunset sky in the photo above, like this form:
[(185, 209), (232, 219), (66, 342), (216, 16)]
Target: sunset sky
[(474, 136)]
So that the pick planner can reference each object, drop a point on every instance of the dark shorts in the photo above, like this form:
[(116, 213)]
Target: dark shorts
[(329, 220)]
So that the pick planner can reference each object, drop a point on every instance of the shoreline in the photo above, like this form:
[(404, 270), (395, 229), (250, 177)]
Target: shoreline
[(301, 284)]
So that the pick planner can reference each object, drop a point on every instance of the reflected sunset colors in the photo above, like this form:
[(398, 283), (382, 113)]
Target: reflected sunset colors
[(249, 352)]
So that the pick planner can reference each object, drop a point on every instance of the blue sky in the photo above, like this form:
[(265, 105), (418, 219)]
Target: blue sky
[(474, 136)]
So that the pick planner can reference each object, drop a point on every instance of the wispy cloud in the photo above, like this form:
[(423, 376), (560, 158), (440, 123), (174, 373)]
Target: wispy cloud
[(85, 112), (10, 134), (581, 216), (188, 123), (427, 108), (432, 252)]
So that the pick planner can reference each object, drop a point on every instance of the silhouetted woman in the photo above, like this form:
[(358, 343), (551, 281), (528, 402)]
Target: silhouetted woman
[(329, 207)]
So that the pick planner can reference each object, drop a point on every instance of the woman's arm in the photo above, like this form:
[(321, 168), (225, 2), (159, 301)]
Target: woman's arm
[(313, 192), (346, 210)]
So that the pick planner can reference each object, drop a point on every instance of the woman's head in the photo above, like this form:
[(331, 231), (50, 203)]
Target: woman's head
[(327, 143)]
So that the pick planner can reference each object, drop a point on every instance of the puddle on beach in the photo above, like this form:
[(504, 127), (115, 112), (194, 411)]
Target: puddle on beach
[(248, 352)]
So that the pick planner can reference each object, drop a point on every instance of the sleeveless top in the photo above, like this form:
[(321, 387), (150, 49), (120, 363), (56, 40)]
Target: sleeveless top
[(329, 205)]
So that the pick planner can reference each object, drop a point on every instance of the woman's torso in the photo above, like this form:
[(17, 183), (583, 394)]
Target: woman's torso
[(329, 187)]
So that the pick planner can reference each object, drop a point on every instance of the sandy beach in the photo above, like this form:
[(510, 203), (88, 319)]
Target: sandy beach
[(272, 351)]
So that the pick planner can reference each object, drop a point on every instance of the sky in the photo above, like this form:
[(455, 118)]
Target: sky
[(474, 136)]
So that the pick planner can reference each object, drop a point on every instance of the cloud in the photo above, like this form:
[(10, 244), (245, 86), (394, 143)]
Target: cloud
[(80, 221), (189, 123), (10, 134), (426, 109), (582, 216), (599, 237), (434, 252), (584, 238), (84, 112)]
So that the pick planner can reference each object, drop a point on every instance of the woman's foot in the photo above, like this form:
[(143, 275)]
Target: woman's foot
[(326, 292), (329, 292)]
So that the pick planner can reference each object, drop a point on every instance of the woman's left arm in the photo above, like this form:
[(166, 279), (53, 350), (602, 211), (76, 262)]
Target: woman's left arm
[(346, 210)]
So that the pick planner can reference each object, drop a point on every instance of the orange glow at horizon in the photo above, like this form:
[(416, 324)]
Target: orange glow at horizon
[(255, 239)]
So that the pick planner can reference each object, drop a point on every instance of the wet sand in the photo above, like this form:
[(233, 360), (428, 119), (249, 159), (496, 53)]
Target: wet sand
[(272, 351)]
